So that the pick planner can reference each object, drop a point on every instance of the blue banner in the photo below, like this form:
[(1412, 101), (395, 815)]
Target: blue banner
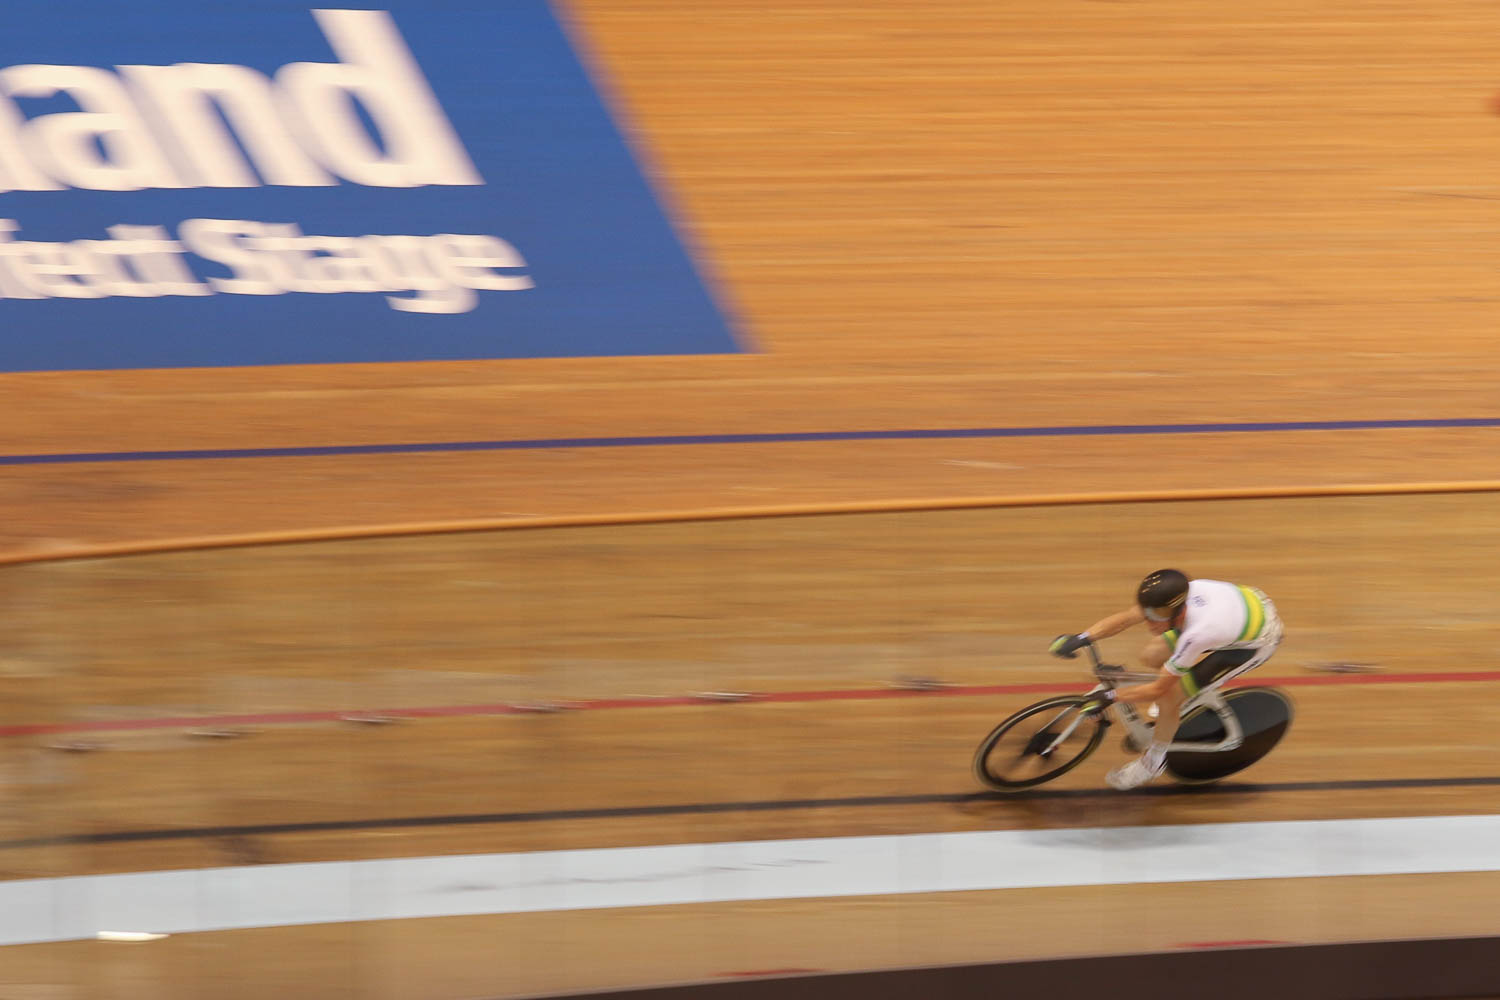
[(186, 184)]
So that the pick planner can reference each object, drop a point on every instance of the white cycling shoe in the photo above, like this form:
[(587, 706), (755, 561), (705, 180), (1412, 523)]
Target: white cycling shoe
[(1133, 775)]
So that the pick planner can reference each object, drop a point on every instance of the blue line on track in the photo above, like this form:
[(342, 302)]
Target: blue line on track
[(1101, 430)]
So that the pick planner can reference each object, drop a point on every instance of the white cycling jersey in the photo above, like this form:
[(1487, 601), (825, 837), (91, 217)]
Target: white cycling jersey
[(1222, 615)]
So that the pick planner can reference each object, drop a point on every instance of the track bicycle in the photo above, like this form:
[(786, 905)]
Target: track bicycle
[(1221, 733)]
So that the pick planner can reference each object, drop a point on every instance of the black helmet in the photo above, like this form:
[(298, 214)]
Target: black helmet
[(1164, 593)]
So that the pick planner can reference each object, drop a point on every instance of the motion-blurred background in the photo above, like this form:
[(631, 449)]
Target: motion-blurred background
[(490, 430)]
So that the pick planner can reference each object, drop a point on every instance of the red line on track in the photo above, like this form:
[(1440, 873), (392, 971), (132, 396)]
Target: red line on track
[(522, 708)]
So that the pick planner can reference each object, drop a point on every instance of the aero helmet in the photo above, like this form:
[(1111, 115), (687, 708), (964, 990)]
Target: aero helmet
[(1162, 594)]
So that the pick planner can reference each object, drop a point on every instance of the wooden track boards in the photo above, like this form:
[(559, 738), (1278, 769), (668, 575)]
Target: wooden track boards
[(992, 216), (804, 604), (986, 216)]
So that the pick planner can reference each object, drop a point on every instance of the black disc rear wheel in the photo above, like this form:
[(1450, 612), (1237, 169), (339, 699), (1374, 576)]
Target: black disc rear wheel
[(1023, 751), (1265, 715)]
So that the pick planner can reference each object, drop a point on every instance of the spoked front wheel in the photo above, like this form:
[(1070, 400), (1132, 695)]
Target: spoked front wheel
[(1037, 744)]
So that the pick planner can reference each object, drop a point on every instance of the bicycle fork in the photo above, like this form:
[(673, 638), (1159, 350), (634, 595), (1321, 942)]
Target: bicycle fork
[(1062, 737)]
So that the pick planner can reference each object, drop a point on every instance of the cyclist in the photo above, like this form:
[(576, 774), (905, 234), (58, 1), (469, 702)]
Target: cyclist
[(1204, 633)]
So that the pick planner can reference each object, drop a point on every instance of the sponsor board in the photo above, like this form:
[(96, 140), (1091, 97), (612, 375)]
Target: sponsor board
[(188, 185)]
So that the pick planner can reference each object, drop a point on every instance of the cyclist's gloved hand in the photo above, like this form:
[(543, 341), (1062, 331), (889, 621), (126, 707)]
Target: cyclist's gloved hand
[(1067, 646), (1097, 702)]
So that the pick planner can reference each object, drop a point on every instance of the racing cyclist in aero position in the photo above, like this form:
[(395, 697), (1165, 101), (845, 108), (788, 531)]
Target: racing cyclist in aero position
[(1205, 632)]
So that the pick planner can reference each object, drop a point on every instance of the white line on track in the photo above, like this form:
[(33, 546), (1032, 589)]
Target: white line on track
[(176, 902)]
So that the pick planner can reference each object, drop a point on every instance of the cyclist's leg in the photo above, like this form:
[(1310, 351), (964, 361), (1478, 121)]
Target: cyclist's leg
[(1210, 671), (1154, 760), (1217, 669), (1154, 654), (1209, 674), (1224, 665), (1168, 718), (1169, 711)]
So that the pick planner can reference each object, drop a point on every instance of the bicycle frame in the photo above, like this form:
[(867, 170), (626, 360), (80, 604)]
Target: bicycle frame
[(1111, 677)]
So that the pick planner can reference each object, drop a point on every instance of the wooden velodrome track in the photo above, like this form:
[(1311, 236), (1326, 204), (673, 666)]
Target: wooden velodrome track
[(960, 215)]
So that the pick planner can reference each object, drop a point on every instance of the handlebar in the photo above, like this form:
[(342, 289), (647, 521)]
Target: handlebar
[(1088, 644), (1108, 674)]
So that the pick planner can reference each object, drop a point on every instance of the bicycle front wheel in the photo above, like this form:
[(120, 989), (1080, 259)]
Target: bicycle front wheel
[(1025, 750)]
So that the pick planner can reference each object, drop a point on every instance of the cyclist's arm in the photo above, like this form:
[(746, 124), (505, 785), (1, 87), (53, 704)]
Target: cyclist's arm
[(1146, 693), (1115, 624), (1189, 650)]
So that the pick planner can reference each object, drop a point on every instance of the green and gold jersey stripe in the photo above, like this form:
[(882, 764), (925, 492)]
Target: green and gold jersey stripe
[(1255, 615), (1190, 685)]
